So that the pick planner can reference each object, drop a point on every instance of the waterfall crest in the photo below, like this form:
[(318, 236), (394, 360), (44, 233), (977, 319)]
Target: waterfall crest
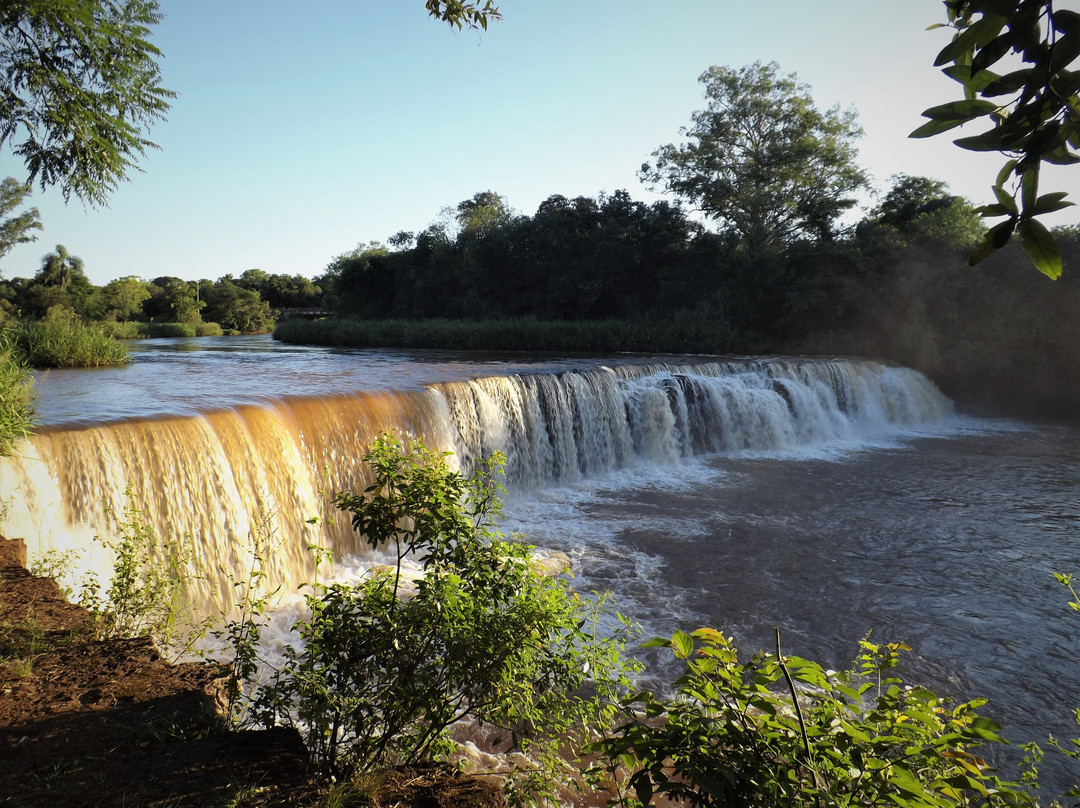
[(203, 480)]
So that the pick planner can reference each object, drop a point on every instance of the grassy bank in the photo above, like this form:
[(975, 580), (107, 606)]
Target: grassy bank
[(520, 334)]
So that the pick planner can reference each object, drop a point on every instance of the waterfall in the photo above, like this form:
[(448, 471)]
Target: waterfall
[(203, 481)]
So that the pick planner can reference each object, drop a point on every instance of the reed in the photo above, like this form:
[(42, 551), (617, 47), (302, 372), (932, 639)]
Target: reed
[(684, 335), (62, 340), (16, 399)]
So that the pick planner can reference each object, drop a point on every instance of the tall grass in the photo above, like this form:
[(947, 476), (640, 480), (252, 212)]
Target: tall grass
[(62, 340), (16, 399), (678, 335)]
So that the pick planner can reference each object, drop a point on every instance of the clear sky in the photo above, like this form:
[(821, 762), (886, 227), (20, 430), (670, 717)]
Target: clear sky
[(302, 129)]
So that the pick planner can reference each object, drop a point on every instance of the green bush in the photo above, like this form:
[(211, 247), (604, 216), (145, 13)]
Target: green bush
[(208, 330), (62, 340), (124, 329), (170, 329), (16, 398), (382, 674), (732, 737)]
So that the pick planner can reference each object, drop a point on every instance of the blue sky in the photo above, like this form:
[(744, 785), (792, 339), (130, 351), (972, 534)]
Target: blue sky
[(302, 129)]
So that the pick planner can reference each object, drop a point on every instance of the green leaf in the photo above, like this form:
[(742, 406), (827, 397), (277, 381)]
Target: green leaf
[(960, 110), (987, 141), (1029, 185), (931, 128), (683, 644), (1048, 203), (989, 211), (1005, 199), (1009, 83), (1041, 247), (1006, 171), (962, 74), (710, 635), (962, 42), (1000, 234), (991, 52), (1065, 52), (1067, 20), (906, 781)]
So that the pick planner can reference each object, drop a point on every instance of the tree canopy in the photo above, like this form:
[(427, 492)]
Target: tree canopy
[(762, 159), (80, 86), (15, 229)]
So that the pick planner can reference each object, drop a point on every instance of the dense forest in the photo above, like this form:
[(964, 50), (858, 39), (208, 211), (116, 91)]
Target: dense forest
[(896, 285)]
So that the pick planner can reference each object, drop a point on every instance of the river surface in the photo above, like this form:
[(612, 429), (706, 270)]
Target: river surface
[(942, 535)]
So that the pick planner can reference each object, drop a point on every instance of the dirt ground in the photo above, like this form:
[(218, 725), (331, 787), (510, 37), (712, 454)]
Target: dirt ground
[(85, 723)]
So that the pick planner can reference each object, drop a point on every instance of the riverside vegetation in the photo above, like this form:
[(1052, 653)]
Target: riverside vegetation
[(387, 665)]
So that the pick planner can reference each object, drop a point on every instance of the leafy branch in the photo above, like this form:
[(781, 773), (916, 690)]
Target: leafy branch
[(1034, 110)]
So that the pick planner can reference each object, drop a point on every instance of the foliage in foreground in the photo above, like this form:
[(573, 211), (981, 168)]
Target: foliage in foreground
[(62, 340), (1032, 110), (387, 665), (16, 399), (731, 736)]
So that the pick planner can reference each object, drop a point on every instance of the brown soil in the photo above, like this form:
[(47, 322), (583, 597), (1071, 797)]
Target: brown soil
[(86, 723)]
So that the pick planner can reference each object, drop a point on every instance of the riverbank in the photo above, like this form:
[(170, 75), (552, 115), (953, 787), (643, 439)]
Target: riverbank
[(87, 723)]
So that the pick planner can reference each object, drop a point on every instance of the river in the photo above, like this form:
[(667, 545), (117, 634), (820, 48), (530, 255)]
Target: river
[(830, 499)]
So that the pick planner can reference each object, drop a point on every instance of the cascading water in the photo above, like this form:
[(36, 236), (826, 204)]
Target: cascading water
[(203, 480)]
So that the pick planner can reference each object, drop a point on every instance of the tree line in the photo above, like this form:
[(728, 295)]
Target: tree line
[(250, 303)]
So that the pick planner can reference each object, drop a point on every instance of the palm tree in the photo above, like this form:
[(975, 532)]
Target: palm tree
[(57, 268)]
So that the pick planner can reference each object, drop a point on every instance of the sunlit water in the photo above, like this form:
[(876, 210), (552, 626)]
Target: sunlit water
[(940, 535)]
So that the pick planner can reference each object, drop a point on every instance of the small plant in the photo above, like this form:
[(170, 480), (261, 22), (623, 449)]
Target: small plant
[(1071, 747), (147, 594), (733, 737), (243, 633), (383, 673), (20, 646), (59, 566)]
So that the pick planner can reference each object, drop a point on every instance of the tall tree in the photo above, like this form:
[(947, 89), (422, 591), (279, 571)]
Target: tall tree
[(16, 229), (173, 300), (762, 159), (58, 267), (922, 209), (80, 87), (485, 210), (123, 298)]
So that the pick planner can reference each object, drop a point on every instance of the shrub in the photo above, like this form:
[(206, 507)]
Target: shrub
[(16, 399), (62, 340), (208, 330), (170, 329), (382, 675), (124, 329), (859, 738)]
